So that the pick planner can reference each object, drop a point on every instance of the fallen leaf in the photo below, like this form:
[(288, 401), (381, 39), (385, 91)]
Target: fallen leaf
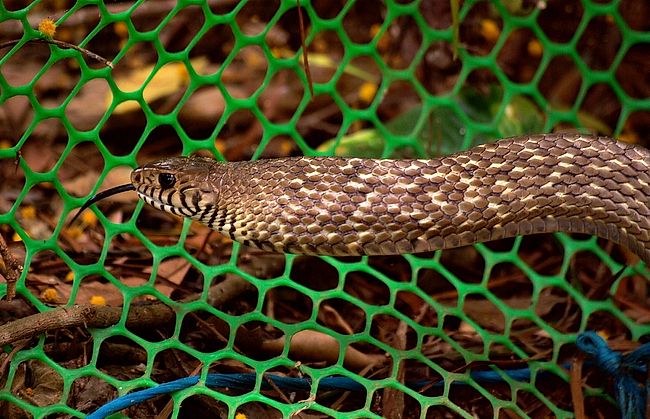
[(90, 289), (167, 80), (317, 346), (119, 176), (37, 383), (172, 269), (203, 108), (82, 184)]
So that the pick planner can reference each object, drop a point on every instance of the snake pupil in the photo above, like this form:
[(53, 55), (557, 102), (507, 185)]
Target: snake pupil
[(166, 180)]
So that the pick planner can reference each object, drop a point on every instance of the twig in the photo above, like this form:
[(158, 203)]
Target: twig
[(83, 316), (301, 24), (338, 403), (455, 25), (576, 388), (12, 268), (61, 44), (101, 316), (167, 411), (393, 400), (279, 392), (211, 328), (226, 290), (339, 320), (17, 347), (19, 156), (145, 10)]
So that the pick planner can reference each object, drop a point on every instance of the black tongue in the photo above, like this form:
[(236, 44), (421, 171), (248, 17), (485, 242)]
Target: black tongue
[(105, 194)]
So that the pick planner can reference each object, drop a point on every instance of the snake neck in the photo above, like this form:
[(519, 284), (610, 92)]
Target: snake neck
[(525, 185), (338, 206)]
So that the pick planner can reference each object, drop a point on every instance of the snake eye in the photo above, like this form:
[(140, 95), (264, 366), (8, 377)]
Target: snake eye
[(166, 180)]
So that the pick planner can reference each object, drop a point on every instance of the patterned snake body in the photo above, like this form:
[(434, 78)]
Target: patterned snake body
[(352, 206)]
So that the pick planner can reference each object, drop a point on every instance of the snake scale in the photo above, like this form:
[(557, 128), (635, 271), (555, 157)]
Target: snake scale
[(353, 206)]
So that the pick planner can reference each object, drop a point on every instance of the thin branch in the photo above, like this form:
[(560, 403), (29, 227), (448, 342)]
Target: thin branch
[(61, 44), (575, 384), (301, 23), (87, 316), (90, 16)]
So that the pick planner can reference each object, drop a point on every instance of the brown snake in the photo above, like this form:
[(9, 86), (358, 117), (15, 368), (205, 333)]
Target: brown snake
[(351, 206)]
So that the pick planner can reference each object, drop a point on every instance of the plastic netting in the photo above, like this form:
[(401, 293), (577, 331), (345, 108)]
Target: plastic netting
[(227, 78)]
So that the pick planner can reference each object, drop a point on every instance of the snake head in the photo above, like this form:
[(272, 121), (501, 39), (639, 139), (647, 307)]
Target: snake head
[(183, 186), (186, 186)]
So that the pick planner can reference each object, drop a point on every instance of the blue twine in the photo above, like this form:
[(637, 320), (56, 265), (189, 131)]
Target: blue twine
[(246, 381), (630, 394)]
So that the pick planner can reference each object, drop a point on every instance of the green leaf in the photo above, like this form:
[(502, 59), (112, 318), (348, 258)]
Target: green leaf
[(441, 131), (521, 116)]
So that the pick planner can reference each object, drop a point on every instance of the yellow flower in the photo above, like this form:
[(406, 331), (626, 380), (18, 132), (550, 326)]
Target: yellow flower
[(89, 218), (50, 295), (97, 300), (28, 213), (367, 92), (69, 277), (490, 30), (47, 27), (535, 48)]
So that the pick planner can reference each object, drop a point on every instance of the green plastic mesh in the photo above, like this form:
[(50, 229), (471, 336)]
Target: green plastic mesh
[(418, 317)]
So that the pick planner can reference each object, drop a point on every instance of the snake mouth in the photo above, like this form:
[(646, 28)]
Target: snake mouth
[(158, 203), (102, 195)]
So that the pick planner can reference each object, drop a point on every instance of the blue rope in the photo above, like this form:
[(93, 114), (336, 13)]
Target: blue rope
[(246, 381), (630, 394)]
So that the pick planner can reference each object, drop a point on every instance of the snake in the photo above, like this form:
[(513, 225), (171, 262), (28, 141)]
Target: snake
[(339, 206)]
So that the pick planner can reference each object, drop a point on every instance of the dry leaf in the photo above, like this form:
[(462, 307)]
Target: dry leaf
[(485, 313), (172, 269), (167, 80), (90, 289), (311, 345), (37, 383), (119, 176), (80, 185)]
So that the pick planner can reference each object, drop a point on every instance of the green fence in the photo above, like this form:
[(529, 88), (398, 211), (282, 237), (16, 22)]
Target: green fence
[(226, 78)]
